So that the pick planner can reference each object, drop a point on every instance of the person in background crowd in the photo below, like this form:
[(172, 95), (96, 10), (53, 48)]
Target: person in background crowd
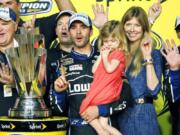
[(46, 24), (15, 6), (144, 74), (177, 26), (63, 39), (8, 27), (154, 12), (171, 83), (60, 47)]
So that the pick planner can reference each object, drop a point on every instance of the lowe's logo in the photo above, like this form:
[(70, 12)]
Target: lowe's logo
[(35, 7)]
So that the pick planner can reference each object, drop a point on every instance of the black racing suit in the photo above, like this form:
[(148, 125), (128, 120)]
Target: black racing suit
[(79, 75), (57, 101)]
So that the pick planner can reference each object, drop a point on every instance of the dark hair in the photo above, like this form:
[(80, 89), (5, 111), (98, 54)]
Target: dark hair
[(177, 28), (58, 17), (17, 1), (90, 27)]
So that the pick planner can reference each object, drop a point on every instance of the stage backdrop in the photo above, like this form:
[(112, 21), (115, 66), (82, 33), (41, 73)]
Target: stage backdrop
[(164, 26)]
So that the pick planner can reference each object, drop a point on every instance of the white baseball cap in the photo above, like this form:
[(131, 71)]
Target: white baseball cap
[(80, 17), (7, 14)]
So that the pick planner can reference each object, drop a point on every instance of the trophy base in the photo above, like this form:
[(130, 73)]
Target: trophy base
[(46, 126), (29, 108)]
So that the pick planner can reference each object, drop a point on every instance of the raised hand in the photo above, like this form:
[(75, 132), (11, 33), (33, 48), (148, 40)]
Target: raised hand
[(171, 53), (146, 46), (105, 50), (61, 83), (101, 16), (154, 11), (6, 76), (30, 25)]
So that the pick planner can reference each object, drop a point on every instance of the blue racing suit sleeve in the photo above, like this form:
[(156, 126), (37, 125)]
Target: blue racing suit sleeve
[(103, 110), (174, 77), (59, 103)]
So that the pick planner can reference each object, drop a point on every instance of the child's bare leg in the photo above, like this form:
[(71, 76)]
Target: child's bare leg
[(97, 126), (107, 127)]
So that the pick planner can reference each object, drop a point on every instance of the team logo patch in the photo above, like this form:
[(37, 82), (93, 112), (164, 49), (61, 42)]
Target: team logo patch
[(67, 61), (35, 7), (75, 67)]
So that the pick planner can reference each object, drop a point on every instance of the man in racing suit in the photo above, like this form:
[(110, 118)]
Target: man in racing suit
[(60, 47), (76, 75), (171, 83)]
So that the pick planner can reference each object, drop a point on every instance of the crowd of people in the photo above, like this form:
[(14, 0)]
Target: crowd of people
[(112, 80)]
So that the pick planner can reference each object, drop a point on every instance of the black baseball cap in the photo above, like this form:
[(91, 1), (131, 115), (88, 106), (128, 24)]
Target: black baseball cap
[(64, 12)]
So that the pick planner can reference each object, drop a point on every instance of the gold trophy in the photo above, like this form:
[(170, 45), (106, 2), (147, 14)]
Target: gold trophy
[(29, 67)]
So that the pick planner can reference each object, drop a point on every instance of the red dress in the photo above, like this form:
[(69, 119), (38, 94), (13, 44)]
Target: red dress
[(106, 87)]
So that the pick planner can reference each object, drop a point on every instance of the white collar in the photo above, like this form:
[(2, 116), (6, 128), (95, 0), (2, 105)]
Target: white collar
[(15, 43)]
